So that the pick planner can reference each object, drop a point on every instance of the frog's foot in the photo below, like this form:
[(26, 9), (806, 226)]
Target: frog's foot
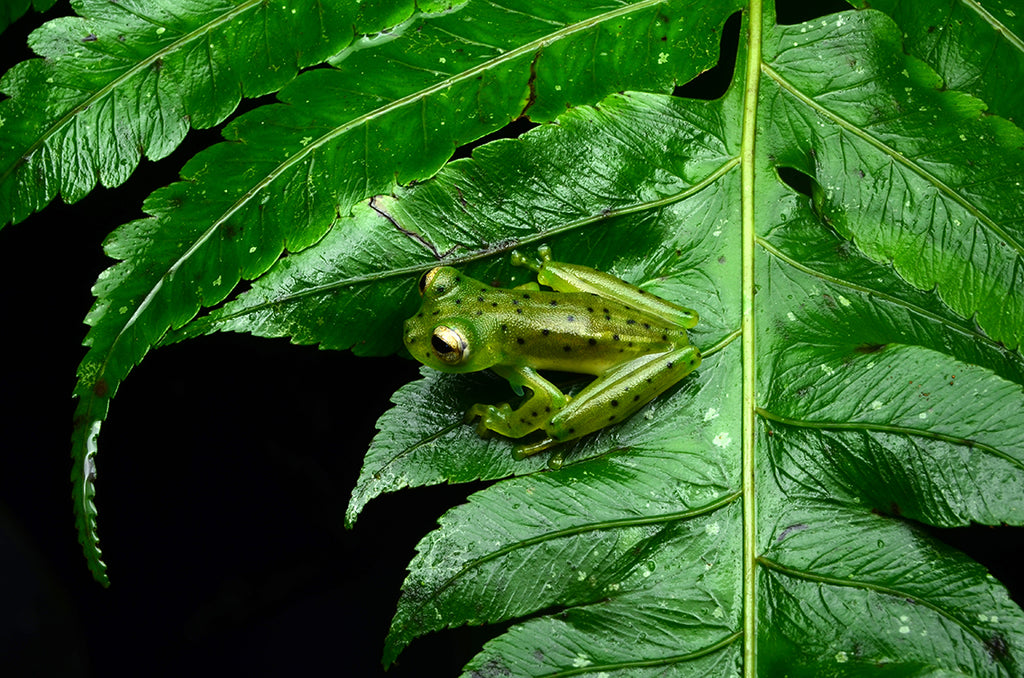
[(520, 259), (493, 418), (556, 460)]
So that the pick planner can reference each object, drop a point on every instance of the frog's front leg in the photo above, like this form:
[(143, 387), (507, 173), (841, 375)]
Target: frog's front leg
[(545, 400)]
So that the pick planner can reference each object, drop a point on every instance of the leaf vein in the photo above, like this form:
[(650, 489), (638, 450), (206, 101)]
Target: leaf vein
[(897, 157), (885, 590), (890, 428), (914, 308)]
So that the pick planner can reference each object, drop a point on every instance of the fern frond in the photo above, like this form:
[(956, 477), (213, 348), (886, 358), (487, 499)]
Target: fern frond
[(392, 112), (126, 79)]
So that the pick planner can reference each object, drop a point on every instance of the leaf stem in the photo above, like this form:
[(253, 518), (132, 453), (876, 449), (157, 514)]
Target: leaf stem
[(747, 158)]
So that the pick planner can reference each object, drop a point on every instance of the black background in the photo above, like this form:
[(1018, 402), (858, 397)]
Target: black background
[(225, 468)]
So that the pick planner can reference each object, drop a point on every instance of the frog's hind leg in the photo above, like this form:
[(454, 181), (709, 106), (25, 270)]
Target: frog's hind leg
[(564, 277), (618, 394)]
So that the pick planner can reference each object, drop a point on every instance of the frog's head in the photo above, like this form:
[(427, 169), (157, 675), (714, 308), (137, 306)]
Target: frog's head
[(441, 335)]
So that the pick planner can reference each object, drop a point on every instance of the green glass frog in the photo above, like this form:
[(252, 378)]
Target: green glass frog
[(633, 342)]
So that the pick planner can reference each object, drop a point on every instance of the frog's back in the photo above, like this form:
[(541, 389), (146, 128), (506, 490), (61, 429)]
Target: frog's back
[(573, 332)]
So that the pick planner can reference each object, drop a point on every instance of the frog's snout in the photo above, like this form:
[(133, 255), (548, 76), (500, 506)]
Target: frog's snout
[(406, 332), (410, 331)]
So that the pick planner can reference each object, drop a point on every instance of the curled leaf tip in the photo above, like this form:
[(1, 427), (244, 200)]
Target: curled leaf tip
[(83, 477)]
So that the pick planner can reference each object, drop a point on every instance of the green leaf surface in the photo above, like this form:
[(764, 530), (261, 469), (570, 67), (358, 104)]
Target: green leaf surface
[(848, 220), (975, 47)]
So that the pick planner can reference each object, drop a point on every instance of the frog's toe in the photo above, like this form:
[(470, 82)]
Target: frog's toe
[(524, 451), (492, 418), (523, 261)]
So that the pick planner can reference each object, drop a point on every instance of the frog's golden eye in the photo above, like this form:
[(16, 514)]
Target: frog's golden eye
[(449, 345), (428, 278)]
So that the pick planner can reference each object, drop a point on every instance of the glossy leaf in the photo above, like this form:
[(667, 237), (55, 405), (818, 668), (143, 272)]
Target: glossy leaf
[(886, 386), (393, 110), (975, 47), (123, 79)]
